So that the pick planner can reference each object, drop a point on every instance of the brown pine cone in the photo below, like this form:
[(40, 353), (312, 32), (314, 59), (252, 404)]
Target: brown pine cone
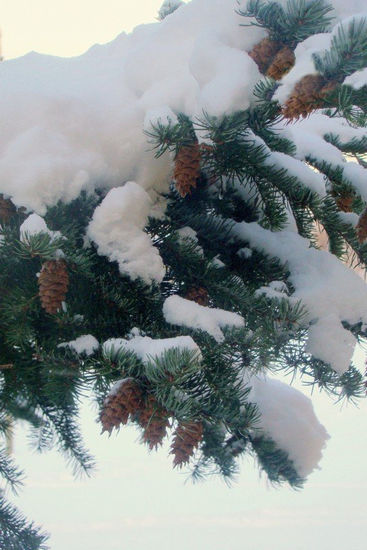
[(361, 227), (199, 295), (308, 94), (155, 421), (282, 63), (264, 52), (186, 439), (7, 209), (126, 399), (53, 283), (345, 203), (187, 168)]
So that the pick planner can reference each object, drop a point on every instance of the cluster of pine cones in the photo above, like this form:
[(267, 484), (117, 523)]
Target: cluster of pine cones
[(275, 60), (127, 401)]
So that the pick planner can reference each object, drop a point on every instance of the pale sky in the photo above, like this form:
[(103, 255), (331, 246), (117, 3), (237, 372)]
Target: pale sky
[(68, 27), (135, 500)]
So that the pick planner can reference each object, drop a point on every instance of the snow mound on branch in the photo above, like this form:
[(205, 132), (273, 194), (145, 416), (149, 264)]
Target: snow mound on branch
[(287, 417), (75, 124), (146, 348), (87, 344), (295, 168), (331, 292), (186, 313), (357, 80), (308, 136), (33, 225), (117, 228)]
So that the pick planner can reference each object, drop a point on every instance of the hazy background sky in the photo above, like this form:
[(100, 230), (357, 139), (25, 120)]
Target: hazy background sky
[(135, 500), (68, 27)]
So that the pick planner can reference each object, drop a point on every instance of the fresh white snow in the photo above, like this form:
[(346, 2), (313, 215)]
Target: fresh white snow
[(117, 228), (146, 348), (288, 417), (77, 123), (331, 292), (33, 225), (86, 344), (186, 313)]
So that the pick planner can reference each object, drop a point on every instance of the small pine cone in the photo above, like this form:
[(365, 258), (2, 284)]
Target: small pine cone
[(53, 284), (345, 203), (155, 421), (187, 168), (282, 63), (126, 399), (264, 52), (6, 366), (199, 295), (186, 439), (361, 227), (7, 209), (308, 94)]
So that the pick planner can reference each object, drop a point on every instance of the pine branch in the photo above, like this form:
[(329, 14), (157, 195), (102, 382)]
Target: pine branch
[(16, 533)]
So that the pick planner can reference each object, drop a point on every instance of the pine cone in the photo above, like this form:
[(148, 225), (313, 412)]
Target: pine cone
[(126, 399), (361, 227), (53, 284), (344, 203), (155, 421), (308, 94), (199, 295), (282, 63), (187, 168), (7, 209), (186, 439), (264, 52)]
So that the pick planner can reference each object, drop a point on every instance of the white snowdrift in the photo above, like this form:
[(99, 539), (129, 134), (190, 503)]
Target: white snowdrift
[(117, 230), (331, 292), (287, 416)]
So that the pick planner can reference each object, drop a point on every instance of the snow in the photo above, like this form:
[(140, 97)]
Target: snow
[(349, 218), (86, 344), (308, 136), (244, 253), (70, 124), (320, 125), (117, 229), (186, 313), (187, 233), (147, 348), (287, 417), (275, 289), (331, 292), (298, 169), (344, 9), (33, 225), (357, 175), (357, 80), (195, 60)]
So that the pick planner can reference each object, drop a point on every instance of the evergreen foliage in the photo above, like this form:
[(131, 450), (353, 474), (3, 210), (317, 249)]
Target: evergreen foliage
[(43, 382)]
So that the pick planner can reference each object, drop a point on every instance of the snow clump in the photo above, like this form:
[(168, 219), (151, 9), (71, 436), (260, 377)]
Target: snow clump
[(288, 417), (186, 313), (117, 228), (146, 348)]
